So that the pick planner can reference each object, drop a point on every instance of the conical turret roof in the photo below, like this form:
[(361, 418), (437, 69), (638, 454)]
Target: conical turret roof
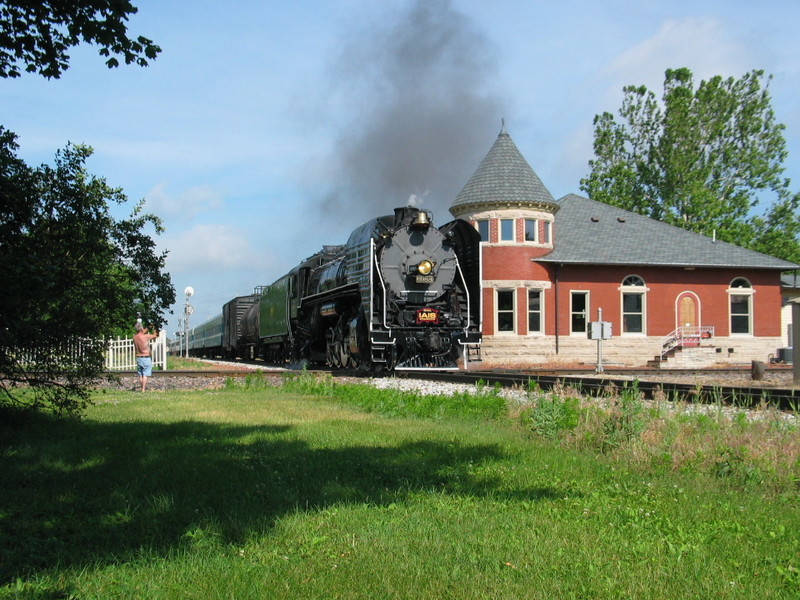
[(504, 179)]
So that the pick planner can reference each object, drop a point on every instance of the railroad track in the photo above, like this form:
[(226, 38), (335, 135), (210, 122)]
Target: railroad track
[(595, 385), (585, 381)]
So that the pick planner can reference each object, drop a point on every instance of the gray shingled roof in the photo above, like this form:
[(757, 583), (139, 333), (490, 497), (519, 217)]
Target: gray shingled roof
[(590, 232), (504, 176), (791, 280)]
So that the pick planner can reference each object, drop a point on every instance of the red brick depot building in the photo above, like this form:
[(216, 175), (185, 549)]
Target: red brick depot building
[(552, 267)]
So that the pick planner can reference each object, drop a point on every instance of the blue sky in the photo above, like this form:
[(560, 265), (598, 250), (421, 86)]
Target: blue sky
[(265, 130)]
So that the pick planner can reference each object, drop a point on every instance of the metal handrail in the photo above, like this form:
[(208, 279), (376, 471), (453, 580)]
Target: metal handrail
[(682, 336)]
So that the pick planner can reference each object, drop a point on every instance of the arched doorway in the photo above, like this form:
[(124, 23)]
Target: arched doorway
[(687, 311), (687, 316)]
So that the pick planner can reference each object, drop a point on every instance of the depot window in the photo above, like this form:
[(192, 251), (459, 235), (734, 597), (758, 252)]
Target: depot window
[(741, 306), (535, 298), (531, 230), (506, 230), (579, 312), (634, 297), (505, 311), (483, 229), (546, 232)]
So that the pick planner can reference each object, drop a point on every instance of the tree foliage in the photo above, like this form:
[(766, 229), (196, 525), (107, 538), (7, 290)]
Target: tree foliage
[(702, 159), (72, 276), (35, 35)]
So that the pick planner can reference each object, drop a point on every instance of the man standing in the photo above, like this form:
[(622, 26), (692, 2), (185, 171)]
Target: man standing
[(144, 363)]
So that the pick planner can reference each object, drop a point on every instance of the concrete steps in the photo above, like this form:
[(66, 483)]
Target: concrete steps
[(698, 357)]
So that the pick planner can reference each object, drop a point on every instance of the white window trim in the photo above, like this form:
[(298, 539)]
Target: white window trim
[(548, 228), (633, 289), (588, 311), (740, 291), (535, 239), (539, 333), (494, 217), (500, 239), (488, 229), (513, 311)]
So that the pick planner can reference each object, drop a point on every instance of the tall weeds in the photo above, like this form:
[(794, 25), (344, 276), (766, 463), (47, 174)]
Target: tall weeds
[(669, 435)]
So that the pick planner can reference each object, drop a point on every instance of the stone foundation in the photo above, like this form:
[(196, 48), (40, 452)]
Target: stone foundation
[(509, 351)]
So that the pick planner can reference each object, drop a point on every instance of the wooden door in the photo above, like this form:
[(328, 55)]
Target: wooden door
[(688, 320), (687, 312)]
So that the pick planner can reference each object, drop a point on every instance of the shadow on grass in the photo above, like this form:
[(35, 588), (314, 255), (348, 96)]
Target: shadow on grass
[(78, 493)]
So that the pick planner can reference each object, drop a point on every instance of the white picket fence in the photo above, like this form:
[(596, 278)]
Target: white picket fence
[(121, 354)]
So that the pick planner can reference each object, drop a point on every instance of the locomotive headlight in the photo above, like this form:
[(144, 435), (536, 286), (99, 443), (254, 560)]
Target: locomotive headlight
[(425, 267)]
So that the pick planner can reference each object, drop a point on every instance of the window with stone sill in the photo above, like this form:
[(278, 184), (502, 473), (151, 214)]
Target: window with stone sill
[(505, 314), (579, 312), (634, 296), (535, 311), (741, 293)]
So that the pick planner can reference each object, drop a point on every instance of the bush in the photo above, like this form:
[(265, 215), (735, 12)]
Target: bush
[(550, 415), (626, 420)]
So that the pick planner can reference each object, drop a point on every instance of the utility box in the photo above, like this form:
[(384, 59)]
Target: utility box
[(600, 330), (785, 355)]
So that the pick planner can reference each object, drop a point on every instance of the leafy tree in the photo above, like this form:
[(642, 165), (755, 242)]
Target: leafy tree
[(36, 34), (702, 159), (71, 275)]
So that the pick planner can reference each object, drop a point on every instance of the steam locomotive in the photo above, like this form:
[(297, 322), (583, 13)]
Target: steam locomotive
[(401, 294)]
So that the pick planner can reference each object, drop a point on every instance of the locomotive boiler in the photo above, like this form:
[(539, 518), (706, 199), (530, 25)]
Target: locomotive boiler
[(401, 294)]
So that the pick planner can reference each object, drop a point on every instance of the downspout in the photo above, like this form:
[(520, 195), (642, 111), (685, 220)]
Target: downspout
[(558, 268)]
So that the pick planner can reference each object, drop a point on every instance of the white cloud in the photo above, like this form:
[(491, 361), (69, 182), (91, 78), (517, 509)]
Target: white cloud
[(211, 248), (220, 262), (704, 45), (185, 205)]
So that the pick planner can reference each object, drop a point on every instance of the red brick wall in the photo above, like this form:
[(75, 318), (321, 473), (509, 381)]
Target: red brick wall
[(665, 285), (488, 311), (514, 262)]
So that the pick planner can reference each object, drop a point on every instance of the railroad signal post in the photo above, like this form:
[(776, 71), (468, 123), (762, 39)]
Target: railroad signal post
[(600, 330), (188, 310)]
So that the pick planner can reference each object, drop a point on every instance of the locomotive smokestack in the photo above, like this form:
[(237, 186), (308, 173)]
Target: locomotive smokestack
[(408, 216)]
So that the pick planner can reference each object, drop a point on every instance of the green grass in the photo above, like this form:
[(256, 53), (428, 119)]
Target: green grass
[(179, 363), (312, 491)]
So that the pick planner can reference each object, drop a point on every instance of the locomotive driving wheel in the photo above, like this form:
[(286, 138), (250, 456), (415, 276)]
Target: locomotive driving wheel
[(331, 354)]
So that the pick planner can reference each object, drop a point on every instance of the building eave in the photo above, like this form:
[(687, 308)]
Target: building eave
[(481, 206)]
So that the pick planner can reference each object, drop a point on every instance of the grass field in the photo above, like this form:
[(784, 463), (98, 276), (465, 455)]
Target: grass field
[(312, 491)]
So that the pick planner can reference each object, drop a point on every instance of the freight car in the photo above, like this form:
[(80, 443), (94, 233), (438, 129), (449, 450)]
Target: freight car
[(401, 294), (219, 337)]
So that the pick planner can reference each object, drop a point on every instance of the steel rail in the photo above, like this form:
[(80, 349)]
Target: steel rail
[(739, 396)]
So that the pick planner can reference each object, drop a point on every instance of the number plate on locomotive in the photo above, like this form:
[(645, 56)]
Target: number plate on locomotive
[(425, 279), (428, 315)]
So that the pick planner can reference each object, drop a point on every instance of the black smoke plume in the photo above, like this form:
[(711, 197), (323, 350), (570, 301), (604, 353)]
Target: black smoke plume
[(419, 113)]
